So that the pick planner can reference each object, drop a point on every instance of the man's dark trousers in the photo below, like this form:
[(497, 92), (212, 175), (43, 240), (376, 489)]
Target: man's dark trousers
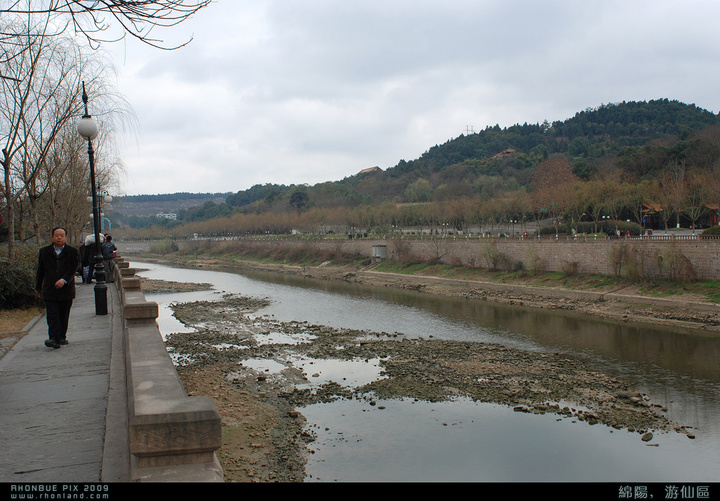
[(58, 315)]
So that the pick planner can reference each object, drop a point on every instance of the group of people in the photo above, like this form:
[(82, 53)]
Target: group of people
[(58, 263), (88, 256)]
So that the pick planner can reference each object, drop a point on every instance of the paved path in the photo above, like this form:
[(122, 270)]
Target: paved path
[(63, 412)]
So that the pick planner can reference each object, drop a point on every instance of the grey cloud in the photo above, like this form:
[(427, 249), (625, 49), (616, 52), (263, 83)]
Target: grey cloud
[(318, 90)]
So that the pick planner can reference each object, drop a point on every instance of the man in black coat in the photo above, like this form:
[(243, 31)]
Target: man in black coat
[(55, 283)]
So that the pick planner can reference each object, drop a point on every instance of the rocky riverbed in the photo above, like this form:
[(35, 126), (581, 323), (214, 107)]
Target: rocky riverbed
[(265, 437)]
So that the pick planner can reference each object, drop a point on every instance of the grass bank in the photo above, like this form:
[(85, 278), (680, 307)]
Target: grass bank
[(15, 320)]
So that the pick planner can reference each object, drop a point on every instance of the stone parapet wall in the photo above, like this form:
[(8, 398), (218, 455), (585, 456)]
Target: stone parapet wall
[(172, 437)]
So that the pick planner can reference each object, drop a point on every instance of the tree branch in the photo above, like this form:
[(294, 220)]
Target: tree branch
[(138, 18)]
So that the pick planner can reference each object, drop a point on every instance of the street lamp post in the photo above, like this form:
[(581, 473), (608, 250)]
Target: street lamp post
[(88, 129)]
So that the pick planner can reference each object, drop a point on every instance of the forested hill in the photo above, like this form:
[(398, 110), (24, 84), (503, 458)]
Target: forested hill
[(151, 205), (592, 133), (632, 140), (636, 137)]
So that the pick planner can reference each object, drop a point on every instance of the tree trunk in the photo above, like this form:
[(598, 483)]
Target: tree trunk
[(10, 207)]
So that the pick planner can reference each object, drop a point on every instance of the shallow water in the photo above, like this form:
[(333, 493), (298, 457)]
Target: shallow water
[(464, 441), (404, 440)]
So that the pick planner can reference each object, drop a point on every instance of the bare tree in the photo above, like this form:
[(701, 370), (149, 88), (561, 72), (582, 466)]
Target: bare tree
[(696, 195), (53, 107), (19, 69), (579, 205), (593, 199), (614, 195), (460, 213), (639, 195), (38, 109), (672, 191), (553, 188), (67, 183), (94, 18), (712, 185)]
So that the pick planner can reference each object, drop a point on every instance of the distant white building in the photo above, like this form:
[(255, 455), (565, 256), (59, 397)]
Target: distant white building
[(168, 216)]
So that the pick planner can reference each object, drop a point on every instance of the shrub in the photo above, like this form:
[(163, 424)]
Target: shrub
[(618, 256), (403, 251), (626, 260), (551, 230), (536, 265), (164, 247), (17, 281), (608, 227), (672, 262), (197, 247), (571, 268), (494, 259)]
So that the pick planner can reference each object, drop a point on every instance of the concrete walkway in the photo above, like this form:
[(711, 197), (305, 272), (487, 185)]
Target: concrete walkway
[(63, 415)]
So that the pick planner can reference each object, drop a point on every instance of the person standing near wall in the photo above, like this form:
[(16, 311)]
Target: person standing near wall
[(84, 261), (91, 252), (55, 283), (108, 253)]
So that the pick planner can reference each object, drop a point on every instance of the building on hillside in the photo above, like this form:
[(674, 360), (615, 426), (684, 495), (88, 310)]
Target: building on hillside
[(653, 220), (652, 216), (369, 170), (712, 215), (504, 153)]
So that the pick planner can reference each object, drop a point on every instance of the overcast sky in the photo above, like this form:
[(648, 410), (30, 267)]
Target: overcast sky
[(302, 92)]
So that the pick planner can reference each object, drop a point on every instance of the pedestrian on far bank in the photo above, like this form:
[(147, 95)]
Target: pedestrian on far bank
[(108, 253), (55, 283)]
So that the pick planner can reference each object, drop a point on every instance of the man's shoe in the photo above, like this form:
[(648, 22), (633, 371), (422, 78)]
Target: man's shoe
[(51, 343), (63, 342)]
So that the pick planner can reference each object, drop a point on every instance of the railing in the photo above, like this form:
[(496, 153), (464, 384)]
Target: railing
[(649, 238), (427, 235)]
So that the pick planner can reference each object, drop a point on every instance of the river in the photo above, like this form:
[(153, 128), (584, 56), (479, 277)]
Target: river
[(404, 440)]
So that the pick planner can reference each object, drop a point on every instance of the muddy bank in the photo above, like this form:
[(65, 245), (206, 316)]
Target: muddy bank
[(152, 285), (265, 438), (625, 304)]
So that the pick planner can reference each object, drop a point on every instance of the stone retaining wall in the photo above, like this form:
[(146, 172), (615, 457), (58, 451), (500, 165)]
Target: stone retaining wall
[(172, 437), (642, 257)]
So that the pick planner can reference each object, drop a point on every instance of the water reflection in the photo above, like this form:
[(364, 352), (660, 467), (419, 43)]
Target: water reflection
[(462, 441)]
